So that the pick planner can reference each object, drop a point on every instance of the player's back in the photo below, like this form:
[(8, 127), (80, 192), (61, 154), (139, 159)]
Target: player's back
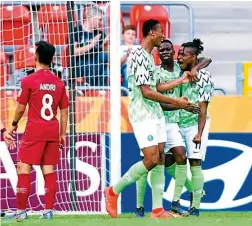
[(44, 92)]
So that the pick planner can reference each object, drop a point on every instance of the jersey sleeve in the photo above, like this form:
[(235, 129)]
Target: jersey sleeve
[(160, 78), (206, 87), (142, 72), (24, 92), (64, 102)]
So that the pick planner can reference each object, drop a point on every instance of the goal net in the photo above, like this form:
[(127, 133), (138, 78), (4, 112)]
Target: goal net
[(81, 34)]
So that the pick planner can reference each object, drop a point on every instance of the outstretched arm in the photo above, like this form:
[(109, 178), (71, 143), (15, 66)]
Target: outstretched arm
[(153, 95), (203, 62), (165, 86), (171, 107)]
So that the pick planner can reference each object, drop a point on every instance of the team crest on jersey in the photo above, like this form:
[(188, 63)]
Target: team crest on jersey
[(20, 92), (150, 138)]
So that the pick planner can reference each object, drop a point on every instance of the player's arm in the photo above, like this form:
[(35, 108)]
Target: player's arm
[(20, 109), (22, 100), (63, 105), (203, 62), (143, 80), (205, 95), (165, 86), (63, 121), (202, 117), (171, 107), (150, 94)]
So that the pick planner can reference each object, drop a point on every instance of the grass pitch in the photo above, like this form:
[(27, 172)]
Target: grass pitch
[(206, 219)]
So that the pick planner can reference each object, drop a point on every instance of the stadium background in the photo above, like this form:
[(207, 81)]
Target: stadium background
[(226, 31)]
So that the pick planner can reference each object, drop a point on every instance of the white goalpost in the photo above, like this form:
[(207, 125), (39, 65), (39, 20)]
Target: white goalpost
[(92, 158)]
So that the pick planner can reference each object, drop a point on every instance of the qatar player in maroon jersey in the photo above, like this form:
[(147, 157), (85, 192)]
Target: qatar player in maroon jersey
[(44, 93)]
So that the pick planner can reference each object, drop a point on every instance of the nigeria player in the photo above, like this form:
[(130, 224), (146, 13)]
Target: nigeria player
[(195, 128), (147, 119), (170, 80), (44, 92)]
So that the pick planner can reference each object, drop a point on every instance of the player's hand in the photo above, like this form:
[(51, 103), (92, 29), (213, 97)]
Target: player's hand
[(197, 140), (193, 108), (62, 141), (182, 103), (194, 75), (185, 77), (13, 130), (9, 140), (185, 98)]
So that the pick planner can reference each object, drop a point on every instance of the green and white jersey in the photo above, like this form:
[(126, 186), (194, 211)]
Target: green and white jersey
[(201, 91), (166, 76), (140, 71)]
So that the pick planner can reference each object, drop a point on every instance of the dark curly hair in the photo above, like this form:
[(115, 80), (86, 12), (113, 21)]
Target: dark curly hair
[(196, 44)]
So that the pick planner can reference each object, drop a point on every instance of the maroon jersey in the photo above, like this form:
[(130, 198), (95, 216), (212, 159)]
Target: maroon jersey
[(44, 92)]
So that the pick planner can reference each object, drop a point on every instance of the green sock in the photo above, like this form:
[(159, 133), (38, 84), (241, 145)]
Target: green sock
[(188, 184), (140, 189), (157, 186), (197, 185), (132, 175), (171, 171), (180, 175)]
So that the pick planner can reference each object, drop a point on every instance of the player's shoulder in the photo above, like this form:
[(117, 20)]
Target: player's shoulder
[(205, 78), (204, 73), (138, 52), (28, 78)]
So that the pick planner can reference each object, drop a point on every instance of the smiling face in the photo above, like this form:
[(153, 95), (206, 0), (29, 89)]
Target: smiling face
[(186, 58), (157, 35), (166, 52)]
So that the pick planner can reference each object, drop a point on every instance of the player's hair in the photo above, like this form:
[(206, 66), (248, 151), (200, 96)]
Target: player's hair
[(196, 44), (167, 41), (149, 25), (128, 27), (45, 52)]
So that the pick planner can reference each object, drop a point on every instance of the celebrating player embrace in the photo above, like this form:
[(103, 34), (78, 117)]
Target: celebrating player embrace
[(148, 122), (170, 82), (44, 92)]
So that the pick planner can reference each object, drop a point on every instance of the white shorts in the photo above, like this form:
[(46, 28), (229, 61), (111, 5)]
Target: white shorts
[(188, 134), (150, 133), (174, 137)]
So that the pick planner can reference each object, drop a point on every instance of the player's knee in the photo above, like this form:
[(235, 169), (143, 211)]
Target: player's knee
[(151, 161), (23, 168), (195, 162), (46, 169), (169, 160), (181, 159), (155, 159)]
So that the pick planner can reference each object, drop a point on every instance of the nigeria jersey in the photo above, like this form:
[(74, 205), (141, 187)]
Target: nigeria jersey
[(140, 71), (201, 91), (166, 76)]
